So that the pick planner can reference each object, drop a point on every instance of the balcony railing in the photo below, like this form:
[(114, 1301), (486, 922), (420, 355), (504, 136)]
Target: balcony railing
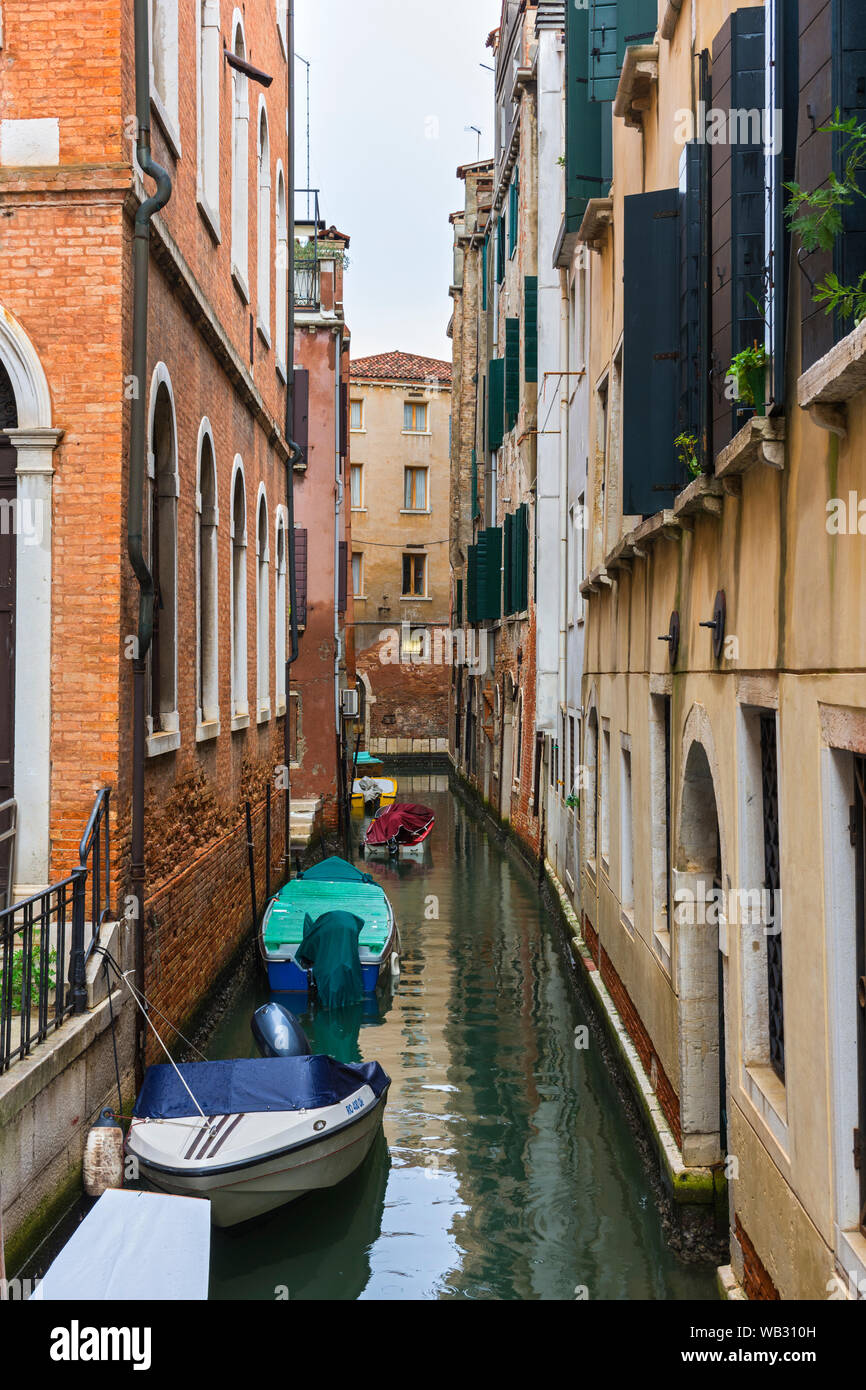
[(306, 284)]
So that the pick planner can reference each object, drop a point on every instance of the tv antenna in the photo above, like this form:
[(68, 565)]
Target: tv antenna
[(306, 64), (478, 133)]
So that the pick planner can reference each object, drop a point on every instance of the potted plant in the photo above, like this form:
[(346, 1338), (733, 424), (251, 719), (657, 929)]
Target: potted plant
[(686, 446), (749, 370)]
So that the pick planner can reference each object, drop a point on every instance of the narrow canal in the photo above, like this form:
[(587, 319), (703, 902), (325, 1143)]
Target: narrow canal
[(507, 1169)]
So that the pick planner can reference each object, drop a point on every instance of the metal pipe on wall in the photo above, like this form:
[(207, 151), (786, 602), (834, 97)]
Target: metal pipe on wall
[(294, 451)]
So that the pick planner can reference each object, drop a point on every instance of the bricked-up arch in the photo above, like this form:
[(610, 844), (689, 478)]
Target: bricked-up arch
[(263, 622), (240, 160), (699, 927), (240, 697), (281, 610), (164, 489), (281, 328), (208, 583), (263, 252)]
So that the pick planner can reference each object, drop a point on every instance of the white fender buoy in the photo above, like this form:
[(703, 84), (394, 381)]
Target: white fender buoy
[(395, 964), (103, 1156)]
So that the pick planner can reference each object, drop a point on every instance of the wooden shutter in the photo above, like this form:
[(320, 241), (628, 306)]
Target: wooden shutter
[(301, 574), (484, 250), (603, 65), (344, 577), (651, 311), (513, 208), (508, 564), (301, 410), (520, 596), (472, 584), (784, 169), (694, 299), (458, 605), (500, 249), (530, 327), (512, 372), (636, 22), (492, 596), (474, 486), (496, 403), (583, 174), (344, 419)]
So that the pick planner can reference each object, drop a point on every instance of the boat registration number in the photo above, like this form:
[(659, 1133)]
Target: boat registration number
[(354, 1105)]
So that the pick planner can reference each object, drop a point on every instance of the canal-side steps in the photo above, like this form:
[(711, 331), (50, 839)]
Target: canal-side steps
[(688, 1187), (306, 821)]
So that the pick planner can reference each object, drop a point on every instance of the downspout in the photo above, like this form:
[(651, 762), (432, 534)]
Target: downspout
[(294, 451), (563, 492), (344, 792), (135, 506)]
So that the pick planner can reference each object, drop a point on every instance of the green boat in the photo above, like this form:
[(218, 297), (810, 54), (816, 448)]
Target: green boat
[(329, 909)]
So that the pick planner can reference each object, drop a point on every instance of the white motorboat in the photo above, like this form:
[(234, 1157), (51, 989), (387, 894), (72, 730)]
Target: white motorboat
[(254, 1134)]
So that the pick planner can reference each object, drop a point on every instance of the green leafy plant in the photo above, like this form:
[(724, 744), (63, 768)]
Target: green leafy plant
[(35, 979), (306, 251), (686, 446), (572, 801), (817, 218), (745, 367)]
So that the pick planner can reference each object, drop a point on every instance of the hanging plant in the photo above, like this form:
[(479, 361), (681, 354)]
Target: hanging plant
[(817, 218), (686, 446), (749, 371)]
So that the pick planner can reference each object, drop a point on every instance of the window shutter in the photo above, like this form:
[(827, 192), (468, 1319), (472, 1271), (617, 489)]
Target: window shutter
[(603, 65), (694, 303), (748, 196), (301, 410), (344, 575), (513, 206), (583, 174), (522, 597), (344, 419), (508, 564), (651, 344), (301, 574), (512, 372), (500, 250), (493, 573), (530, 327), (472, 584), (481, 576), (786, 88), (496, 403), (636, 22), (484, 250), (850, 84), (475, 507)]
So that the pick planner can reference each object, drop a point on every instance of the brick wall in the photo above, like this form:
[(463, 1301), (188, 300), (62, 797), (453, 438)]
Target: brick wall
[(756, 1281)]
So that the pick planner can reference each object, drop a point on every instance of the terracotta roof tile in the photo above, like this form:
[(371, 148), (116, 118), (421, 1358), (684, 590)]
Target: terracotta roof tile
[(400, 366)]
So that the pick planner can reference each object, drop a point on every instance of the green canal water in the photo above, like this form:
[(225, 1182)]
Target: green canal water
[(507, 1168)]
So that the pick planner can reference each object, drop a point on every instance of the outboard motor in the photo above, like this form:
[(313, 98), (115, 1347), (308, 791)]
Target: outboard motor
[(278, 1033)]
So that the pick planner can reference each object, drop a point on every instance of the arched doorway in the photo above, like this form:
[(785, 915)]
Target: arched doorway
[(699, 914), (8, 590)]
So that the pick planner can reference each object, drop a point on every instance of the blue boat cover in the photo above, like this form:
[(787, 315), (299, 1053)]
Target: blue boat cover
[(335, 870), (254, 1085)]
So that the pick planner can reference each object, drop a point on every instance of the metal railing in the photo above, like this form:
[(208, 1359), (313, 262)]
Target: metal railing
[(43, 951), (307, 284), (306, 288)]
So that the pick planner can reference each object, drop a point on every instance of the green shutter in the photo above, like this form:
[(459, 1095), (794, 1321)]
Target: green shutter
[(496, 403), (513, 206), (475, 507), (472, 584), (636, 23), (500, 250), (615, 25), (530, 327), (508, 565), (512, 372), (651, 350), (583, 163), (520, 581), (493, 573)]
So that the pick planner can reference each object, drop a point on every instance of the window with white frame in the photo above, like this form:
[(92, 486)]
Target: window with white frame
[(626, 830), (263, 257), (414, 575), (163, 563), (282, 314), (283, 25), (208, 606), (164, 67), (605, 793), (660, 749), (357, 487), (240, 706), (209, 56), (415, 417), (281, 615), (415, 491), (356, 415), (358, 573), (240, 167), (263, 625)]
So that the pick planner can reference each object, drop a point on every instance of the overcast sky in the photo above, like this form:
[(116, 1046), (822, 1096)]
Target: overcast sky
[(393, 84)]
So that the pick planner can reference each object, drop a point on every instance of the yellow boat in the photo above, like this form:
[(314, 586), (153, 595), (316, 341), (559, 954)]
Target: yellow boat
[(364, 791)]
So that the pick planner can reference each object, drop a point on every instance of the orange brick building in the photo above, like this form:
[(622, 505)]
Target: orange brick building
[(215, 506)]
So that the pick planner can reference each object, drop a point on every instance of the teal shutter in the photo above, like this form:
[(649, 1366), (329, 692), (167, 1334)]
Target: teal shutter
[(520, 580), (484, 250), (500, 250), (583, 118), (530, 327), (513, 207), (475, 507), (496, 403), (512, 372), (694, 303), (849, 50), (651, 350), (636, 23), (493, 573), (508, 564), (614, 26)]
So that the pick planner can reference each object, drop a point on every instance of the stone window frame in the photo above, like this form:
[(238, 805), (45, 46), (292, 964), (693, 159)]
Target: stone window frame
[(240, 152), (240, 711), (281, 324), (281, 607), (263, 230), (283, 26), (263, 608), (626, 834), (590, 821), (207, 589), (166, 739), (661, 825), (359, 590), (604, 798), (208, 72), (165, 58)]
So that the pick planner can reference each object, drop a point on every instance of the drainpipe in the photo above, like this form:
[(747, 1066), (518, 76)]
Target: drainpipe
[(135, 507), (294, 451), (338, 517), (563, 494)]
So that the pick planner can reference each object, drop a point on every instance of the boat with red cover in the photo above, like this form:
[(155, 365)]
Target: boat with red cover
[(400, 828)]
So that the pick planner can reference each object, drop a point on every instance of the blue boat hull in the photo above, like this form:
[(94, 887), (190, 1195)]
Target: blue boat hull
[(286, 977)]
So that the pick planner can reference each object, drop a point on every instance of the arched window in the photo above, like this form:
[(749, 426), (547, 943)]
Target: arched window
[(281, 615), (208, 182), (263, 625), (240, 165), (163, 565), (263, 307), (283, 25), (208, 613), (240, 706), (282, 310)]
